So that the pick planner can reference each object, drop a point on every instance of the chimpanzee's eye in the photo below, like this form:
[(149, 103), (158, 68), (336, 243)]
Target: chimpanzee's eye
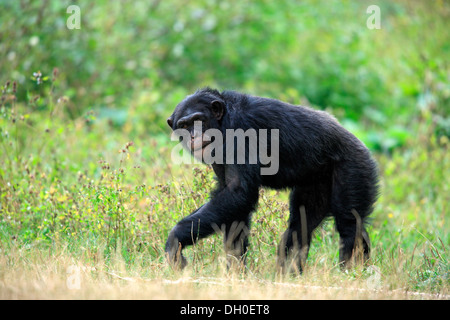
[(182, 125)]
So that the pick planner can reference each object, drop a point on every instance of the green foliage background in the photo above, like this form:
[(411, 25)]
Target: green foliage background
[(68, 175), (300, 51)]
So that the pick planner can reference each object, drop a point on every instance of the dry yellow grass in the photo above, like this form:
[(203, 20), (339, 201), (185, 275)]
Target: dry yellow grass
[(61, 277)]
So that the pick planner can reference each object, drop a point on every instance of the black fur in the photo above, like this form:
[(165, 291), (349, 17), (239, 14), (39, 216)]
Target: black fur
[(328, 169)]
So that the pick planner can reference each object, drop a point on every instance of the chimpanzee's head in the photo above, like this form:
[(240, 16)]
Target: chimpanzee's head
[(205, 105)]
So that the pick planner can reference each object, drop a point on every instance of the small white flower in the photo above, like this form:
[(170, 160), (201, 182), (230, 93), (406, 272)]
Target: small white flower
[(34, 41)]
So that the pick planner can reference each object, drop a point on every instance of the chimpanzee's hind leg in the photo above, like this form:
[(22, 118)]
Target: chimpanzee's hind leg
[(308, 207), (354, 191), (354, 243), (236, 243)]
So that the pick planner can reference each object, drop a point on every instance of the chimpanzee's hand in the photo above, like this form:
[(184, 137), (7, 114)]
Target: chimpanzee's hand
[(173, 253)]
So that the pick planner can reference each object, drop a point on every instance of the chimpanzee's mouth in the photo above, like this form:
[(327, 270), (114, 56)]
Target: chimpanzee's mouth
[(199, 144)]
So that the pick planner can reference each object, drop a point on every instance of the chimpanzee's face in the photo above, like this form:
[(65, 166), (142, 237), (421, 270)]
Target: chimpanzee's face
[(197, 113)]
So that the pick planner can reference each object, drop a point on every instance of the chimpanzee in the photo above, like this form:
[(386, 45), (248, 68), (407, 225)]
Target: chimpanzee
[(329, 171)]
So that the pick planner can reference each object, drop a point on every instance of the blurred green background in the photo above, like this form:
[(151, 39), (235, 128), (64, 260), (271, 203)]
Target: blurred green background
[(150, 54), (73, 100)]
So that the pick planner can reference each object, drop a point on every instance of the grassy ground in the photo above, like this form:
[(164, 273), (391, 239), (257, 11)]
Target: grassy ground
[(85, 214), (88, 191), (45, 276)]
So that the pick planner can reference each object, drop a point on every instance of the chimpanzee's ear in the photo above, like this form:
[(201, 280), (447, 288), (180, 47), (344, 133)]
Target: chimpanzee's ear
[(218, 108)]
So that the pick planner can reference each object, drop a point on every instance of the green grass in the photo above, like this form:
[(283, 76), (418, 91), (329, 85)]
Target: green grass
[(80, 191), (86, 177)]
